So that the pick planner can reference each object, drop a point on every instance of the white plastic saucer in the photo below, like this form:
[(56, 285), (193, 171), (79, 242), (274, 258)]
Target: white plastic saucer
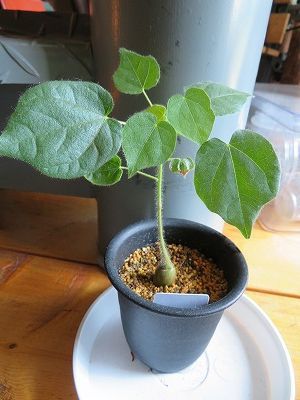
[(245, 360)]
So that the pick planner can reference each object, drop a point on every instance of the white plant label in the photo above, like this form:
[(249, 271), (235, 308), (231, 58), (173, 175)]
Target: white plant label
[(181, 300)]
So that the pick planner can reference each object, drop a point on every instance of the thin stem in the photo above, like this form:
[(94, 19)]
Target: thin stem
[(159, 213), (122, 122), (165, 274), (143, 174), (147, 98)]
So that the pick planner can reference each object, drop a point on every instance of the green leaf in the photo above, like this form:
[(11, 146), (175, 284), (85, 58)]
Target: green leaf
[(62, 129), (109, 174), (237, 179), (191, 114), (159, 111), (147, 142), (224, 100), (136, 73), (181, 165)]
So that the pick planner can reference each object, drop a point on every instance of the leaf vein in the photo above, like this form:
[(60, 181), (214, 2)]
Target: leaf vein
[(237, 186)]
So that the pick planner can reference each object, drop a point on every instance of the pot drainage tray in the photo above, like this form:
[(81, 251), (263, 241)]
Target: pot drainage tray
[(245, 360)]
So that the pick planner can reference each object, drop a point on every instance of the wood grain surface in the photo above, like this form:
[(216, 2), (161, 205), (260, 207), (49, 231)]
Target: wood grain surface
[(273, 259), (59, 226), (42, 303)]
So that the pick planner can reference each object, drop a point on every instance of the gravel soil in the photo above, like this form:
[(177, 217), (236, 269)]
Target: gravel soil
[(195, 273)]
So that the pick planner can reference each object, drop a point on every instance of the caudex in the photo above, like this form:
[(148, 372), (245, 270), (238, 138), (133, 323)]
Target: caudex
[(64, 130)]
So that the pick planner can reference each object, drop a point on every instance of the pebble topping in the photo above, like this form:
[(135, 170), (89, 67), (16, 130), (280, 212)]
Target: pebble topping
[(195, 273)]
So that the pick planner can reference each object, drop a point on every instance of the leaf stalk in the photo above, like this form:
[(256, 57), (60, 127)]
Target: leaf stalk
[(147, 98), (143, 174)]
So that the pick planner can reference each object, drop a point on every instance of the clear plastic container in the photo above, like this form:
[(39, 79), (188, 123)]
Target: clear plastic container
[(283, 213), (285, 142), (275, 113)]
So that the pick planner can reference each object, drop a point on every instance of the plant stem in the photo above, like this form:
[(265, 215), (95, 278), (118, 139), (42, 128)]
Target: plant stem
[(143, 174), (147, 98), (165, 274), (122, 122)]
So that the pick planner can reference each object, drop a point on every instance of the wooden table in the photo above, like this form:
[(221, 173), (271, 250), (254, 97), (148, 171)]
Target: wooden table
[(49, 277)]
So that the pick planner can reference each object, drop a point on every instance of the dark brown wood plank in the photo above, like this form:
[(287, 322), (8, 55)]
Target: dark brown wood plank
[(50, 225)]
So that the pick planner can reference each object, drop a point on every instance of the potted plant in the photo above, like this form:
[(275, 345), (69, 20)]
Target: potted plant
[(64, 130)]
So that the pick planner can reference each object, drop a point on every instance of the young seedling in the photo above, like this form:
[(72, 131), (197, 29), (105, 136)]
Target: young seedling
[(64, 130)]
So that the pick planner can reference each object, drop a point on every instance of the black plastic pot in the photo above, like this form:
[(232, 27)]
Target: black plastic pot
[(169, 339)]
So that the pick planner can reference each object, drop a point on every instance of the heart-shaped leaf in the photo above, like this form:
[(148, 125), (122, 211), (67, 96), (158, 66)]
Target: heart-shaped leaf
[(191, 114), (136, 73), (237, 179), (62, 129), (224, 100), (147, 142), (109, 174), (159, 111)]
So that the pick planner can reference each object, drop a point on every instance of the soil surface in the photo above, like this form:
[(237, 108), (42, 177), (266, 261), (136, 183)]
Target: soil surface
[(195, 273)]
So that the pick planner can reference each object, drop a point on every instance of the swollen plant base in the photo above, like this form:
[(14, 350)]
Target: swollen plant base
[(195, 273)]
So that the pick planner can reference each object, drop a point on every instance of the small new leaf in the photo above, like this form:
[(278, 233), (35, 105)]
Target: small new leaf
[(224, 100), (109, 174), (181, 165), (159, 111), (62, 129), (191, 115), (147, 142), (237, 179), (136, 73)]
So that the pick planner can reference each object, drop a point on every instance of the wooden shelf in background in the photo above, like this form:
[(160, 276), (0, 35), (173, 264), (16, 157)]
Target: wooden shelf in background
[(278, 24)]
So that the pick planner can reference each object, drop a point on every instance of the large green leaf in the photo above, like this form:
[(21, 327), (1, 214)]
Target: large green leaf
[(191, 114), (136, 73), (237, 179), (147, 142), (62, 129), (224, 100), (109, 174)]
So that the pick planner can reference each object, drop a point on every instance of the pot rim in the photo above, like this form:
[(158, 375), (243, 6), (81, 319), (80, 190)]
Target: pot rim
[(230, 298)]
